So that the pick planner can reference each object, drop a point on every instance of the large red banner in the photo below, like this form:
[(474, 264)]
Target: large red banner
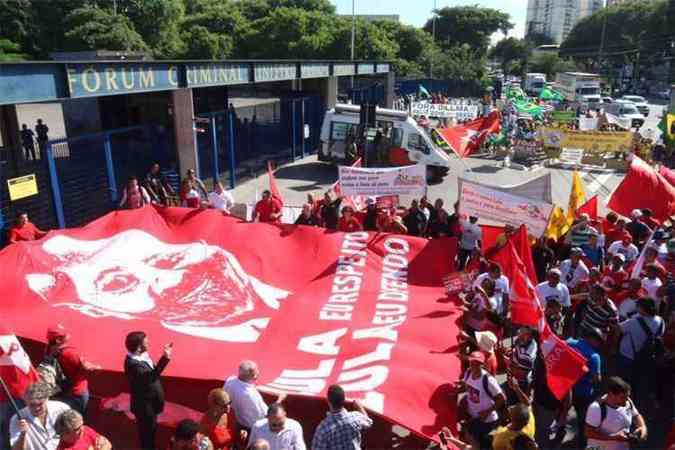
[(311, 307)]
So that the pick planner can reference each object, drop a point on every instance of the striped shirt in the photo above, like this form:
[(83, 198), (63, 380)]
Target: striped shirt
[(600, 315), (524, 355), (341, 431), (579, 236)]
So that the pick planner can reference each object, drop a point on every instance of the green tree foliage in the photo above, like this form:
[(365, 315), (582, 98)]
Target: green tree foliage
[(470, 25), (212, 31), (92, 28), (512, 53), (16, 25), (10, 51), (551, 63), (630, 28), (157, 21)]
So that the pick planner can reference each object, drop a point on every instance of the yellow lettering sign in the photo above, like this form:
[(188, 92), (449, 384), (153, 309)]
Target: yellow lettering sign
[(147, 77), (90, 75), (128, 78), (173, 75), (110, 76)]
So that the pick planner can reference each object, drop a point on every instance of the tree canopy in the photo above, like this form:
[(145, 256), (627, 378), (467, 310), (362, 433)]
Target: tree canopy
[(470, 25), (265, 29), (512, 53)]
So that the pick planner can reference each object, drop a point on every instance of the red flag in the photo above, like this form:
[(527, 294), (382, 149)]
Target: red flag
[(644, 187), (274, 189), (590, 208), (311, 308), (525, 309), (16, 369), (564, 366), (667, 174), (467, 138), (522, 243)]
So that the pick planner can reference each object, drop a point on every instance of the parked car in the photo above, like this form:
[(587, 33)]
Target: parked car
[(665, 94), (607, 100), (639, 102), (626, 110)]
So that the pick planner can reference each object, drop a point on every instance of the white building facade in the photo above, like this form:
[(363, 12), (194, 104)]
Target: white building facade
[(556, 18)]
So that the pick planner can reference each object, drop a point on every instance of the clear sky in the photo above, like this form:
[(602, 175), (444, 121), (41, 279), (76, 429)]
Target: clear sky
[(416, 12)]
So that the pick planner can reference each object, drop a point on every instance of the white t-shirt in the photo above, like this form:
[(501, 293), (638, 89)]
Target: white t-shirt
[(572, 279), (471, 234), (41, 437), (619, 419), (248, 404), (479, 305), (634, 336), (651, 286), (477, 399), (628, 308), (501, 288), (289, 438), (560, 293), (630, 251), (222, 202)]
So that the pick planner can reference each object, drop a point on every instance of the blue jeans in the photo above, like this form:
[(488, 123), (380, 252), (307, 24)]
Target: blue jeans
[(6, 413), (77, 402)]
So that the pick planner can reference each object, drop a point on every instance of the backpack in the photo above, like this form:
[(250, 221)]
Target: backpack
[(652, 350), (51, 373)]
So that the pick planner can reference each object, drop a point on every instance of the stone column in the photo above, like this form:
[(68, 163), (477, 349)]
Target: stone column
[(183, 113), (389, 82)]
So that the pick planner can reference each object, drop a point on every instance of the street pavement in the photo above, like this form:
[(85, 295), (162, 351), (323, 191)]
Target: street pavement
[(308, 175)]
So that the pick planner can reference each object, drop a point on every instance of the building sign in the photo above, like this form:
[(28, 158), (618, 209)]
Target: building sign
[(22, 187), (314, 70), (366, 69), (90, 80), (275, 72), (216, 74), (340, 70), (382, 68)]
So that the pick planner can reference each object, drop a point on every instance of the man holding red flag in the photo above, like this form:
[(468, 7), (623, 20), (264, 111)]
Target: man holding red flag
[(17, 375)]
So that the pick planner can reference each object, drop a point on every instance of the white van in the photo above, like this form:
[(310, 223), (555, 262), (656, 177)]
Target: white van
[(626, 110), (410, 143)]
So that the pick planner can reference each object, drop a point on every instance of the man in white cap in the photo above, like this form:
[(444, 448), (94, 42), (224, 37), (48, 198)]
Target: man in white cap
[(637, 229), (573, 271), (553, 289)]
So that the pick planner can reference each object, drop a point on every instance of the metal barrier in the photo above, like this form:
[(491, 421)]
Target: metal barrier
[(236, 144), (87, 173)]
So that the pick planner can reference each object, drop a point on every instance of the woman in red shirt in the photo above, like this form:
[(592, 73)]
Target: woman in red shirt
[(348, 223), (219, 424)]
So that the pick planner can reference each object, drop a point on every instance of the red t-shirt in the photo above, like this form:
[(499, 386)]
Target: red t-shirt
[(87, 441), (26, 232), (71, 363), (223, 438), (266, 208), (349, 225)]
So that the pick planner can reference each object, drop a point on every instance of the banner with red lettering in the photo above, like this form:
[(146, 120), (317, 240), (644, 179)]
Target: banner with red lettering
[(311, 307)]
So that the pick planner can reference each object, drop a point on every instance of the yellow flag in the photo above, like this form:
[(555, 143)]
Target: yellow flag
[(670, 130), (557, 224), (577, 198)]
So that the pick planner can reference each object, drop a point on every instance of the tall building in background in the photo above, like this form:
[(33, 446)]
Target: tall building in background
[(556, 18)]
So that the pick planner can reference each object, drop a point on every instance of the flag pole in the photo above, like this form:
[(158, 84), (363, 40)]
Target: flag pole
[(16, 409), (11, 398)]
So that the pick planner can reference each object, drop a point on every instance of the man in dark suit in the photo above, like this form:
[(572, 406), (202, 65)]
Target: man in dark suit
[(147, 395)]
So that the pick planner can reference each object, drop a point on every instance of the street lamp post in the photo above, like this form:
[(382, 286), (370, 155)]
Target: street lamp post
[(353, 35), (433, 36)]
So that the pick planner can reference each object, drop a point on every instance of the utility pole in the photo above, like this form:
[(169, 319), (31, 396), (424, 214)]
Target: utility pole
[(353, 35), (433, 35), (114, 7)]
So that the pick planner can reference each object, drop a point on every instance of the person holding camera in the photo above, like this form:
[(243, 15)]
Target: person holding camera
[(613, 421)]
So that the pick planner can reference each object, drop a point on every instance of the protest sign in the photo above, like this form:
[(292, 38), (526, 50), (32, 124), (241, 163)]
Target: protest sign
[(501, 207), (588, 123), (591, 141), (457, 282), (563, 116), (387, 201), (407, 180), (572, 155), (455, 110), (524, 149)]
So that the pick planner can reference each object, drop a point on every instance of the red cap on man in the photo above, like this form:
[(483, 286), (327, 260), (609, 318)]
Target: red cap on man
[(56, 331)]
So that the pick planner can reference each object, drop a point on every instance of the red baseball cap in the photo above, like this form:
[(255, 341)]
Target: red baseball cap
[(56, 331), (477, 356)]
